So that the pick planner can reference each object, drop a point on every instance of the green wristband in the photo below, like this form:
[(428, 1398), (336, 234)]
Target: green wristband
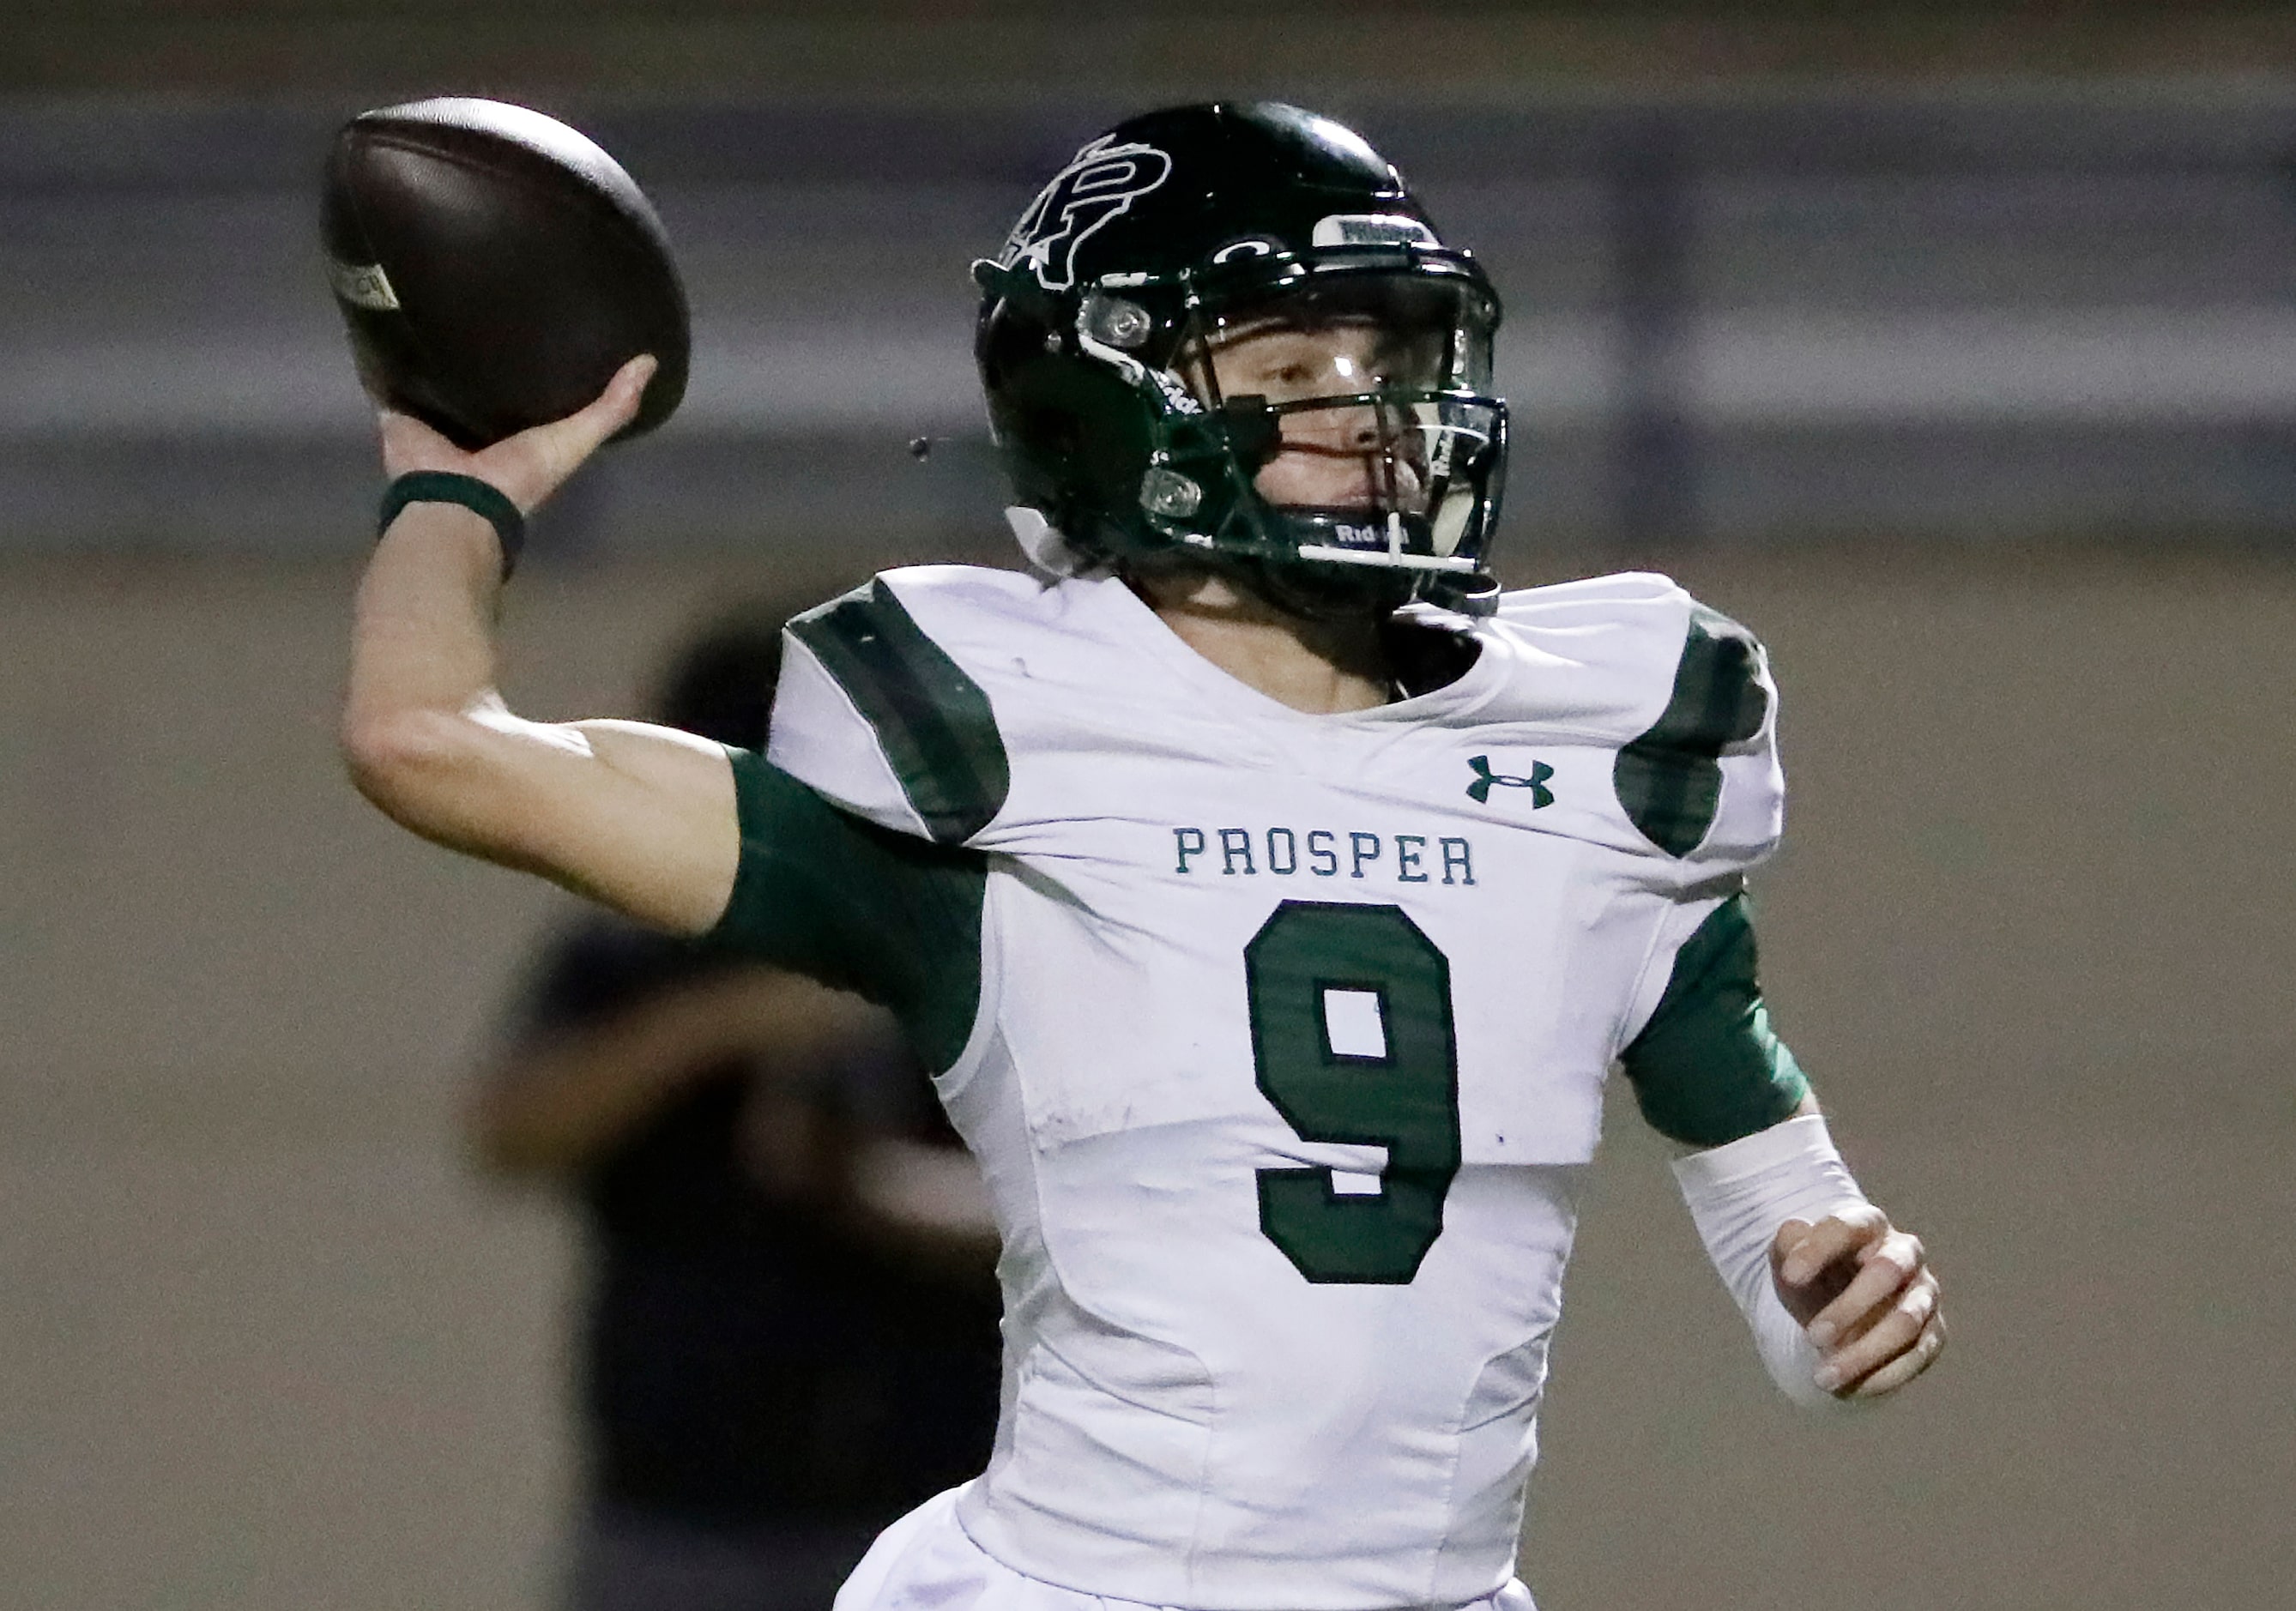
[(447, 486)]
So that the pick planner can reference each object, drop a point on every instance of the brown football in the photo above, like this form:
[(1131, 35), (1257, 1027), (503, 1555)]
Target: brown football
[(496, 268)]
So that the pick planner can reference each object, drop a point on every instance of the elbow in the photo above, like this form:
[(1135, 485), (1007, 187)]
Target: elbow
[(408, 762)]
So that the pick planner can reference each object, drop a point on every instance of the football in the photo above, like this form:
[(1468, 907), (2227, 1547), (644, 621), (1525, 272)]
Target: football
[(494, 268)]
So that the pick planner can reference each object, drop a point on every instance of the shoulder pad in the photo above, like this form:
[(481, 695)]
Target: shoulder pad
[(877, 714), (1668, 777), (1682, 691), (1594, 657)]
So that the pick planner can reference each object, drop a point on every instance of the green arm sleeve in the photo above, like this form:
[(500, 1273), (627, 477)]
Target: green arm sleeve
[(894, 919), (1706, 1068)]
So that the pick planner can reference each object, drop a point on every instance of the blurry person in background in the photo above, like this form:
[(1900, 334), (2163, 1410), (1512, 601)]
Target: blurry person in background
[(788, 1336)]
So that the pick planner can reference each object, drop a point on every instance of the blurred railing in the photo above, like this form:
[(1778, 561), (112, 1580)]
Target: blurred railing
[(1992, 312)]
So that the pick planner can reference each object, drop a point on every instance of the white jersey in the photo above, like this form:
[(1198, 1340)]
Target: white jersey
[(1289, 1046)]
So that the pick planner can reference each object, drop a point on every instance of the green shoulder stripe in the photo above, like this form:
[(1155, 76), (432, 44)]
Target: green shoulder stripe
[(1708, 1069), (933, 722), (1669, 780)]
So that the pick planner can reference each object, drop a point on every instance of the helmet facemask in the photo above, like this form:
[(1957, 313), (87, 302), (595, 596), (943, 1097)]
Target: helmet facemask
[(1333, 439)]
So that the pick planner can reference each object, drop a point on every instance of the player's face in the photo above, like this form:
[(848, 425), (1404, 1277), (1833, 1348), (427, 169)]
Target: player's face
[(1360, 455)]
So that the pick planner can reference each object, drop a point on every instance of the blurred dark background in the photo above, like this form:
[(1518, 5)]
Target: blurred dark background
[(1952, 346)]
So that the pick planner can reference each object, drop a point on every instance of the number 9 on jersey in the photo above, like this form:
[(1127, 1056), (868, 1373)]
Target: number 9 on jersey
[(1352, 1040)]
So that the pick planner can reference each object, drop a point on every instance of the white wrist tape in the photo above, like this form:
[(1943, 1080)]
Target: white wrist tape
[(1739, 1194)]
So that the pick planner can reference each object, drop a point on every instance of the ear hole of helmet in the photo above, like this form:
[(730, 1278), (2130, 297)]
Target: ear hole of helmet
[(1072, 434)]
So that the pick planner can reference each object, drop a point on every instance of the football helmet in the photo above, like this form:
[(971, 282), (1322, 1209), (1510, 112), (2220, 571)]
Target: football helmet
[(1229, 332)]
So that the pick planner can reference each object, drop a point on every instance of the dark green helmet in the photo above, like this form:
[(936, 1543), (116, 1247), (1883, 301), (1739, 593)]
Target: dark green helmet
[(1229, 332)]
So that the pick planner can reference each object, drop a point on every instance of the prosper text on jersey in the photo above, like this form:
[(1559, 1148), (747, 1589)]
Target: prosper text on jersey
[(1321, 853)]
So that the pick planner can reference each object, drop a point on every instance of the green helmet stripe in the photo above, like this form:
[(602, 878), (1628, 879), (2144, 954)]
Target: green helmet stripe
[(932, 721)]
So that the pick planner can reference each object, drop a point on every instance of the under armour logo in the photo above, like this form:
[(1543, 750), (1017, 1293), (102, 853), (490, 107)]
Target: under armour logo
[(1104, 180), (1480, 791)]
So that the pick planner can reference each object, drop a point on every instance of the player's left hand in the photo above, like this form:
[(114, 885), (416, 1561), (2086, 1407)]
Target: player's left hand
[(1866, 1293)]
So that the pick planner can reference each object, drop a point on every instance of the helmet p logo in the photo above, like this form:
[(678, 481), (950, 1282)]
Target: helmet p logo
[(1102, 181)]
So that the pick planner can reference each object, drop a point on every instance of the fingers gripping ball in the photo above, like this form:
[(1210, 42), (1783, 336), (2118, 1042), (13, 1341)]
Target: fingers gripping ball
[(494, 268)]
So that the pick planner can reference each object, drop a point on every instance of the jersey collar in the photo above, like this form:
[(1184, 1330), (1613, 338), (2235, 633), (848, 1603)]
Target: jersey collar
[(1132, 621)]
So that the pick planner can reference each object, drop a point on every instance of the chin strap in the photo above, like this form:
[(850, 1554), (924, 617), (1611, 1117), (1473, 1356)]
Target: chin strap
[(1041, 541), (1476, 593)]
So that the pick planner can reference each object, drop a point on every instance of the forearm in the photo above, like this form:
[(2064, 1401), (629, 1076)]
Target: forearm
[(422, 636), (1738, 1195), (422, 697)]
